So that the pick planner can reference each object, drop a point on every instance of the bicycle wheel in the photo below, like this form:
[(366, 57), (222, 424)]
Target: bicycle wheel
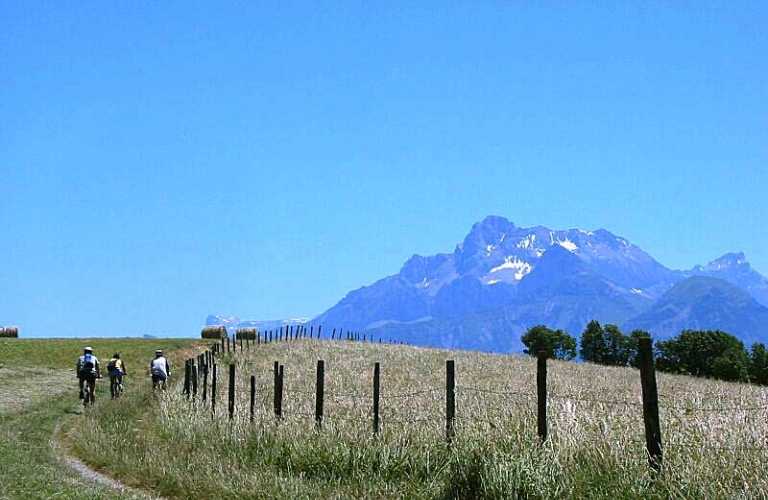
[(86, 395)]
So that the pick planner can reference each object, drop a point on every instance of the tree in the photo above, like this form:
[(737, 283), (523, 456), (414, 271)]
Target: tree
[(593, 343), (694, 352), (556, 343), (605, 345), (616, 346), (758, 364), (732, 365)]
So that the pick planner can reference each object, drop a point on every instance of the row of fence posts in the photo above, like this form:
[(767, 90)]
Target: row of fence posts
[(207, 363), (229, 344)]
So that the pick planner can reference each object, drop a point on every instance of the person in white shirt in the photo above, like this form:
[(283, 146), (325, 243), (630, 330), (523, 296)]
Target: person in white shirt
[(87, 371), (160, 370)]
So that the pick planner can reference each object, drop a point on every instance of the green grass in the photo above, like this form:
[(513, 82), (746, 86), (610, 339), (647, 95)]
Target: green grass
[(38, 403), (63, 353), (178, 448)]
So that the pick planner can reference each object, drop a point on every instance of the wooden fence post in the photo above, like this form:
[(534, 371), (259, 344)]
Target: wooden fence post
[(276, 389), (650, 403), (281, 380), (450, 399), (253, 394), (186, 377), (213, 389), (193, 378), (205, 381), (278, 399), (541, 389), (231, 391), (319, 393), (376, 389)]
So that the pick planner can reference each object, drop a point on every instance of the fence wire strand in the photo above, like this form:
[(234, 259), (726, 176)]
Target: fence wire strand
[(676, 406)]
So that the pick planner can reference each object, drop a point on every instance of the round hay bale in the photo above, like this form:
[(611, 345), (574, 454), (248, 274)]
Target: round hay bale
[(246, 333), (9, 332), (214, 332)]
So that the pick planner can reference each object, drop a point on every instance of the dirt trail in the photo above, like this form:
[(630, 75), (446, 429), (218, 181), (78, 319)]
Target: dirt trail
[(91, 475)]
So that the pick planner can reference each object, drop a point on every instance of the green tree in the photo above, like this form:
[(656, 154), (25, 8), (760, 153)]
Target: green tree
[(556, 343), (694, 352), (758, 364), (732, 365), (592, 344), (604, 345), (617, 346)]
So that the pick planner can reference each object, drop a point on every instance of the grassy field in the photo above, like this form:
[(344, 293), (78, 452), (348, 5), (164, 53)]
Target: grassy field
[(715, 434), (38, 405)]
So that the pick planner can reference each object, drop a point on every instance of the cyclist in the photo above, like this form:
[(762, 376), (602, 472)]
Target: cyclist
[(160, 370), (88, 370), (116, 369)]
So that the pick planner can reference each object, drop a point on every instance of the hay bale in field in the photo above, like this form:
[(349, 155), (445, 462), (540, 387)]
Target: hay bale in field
[(214, 332), (246, 333), (9, 332)]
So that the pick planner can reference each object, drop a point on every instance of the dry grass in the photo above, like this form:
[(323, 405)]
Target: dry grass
[(24, 386), (714, 433)]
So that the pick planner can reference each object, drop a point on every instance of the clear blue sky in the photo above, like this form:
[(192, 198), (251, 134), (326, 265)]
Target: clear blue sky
[(160, 161)]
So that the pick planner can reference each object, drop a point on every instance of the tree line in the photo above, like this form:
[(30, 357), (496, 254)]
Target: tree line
[(701, 353)]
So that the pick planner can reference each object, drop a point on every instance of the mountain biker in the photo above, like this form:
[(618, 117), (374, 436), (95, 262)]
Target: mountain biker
[(88, 370), (160, 370), (115, 369)]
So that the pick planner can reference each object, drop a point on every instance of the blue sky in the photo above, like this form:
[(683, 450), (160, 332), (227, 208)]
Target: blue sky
[(161, 161)]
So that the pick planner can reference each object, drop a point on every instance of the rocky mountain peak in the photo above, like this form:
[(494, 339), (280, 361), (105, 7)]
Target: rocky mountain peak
[(728, 261)]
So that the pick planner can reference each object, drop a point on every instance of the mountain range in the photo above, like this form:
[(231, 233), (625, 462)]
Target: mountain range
[(503, 279)]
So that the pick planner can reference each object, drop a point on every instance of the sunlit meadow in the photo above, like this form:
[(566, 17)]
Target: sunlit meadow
[(715, 434)]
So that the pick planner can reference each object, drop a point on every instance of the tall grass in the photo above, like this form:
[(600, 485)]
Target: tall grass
[(38, 395), (715, 434)]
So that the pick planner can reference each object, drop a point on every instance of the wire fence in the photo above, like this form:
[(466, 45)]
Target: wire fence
[(453, 405)]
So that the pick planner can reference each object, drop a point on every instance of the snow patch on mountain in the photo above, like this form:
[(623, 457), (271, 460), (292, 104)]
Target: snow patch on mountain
[(520, 267), (567, 244), (527, 242)]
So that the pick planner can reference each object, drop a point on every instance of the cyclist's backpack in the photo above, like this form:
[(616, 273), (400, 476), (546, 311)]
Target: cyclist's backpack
[(112, 366), (87, 363)]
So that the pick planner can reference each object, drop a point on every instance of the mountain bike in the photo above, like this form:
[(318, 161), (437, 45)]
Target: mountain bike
[(116, 386), (88, 396)]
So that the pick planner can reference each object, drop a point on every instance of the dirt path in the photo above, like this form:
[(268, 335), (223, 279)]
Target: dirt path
[(91, 475)]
